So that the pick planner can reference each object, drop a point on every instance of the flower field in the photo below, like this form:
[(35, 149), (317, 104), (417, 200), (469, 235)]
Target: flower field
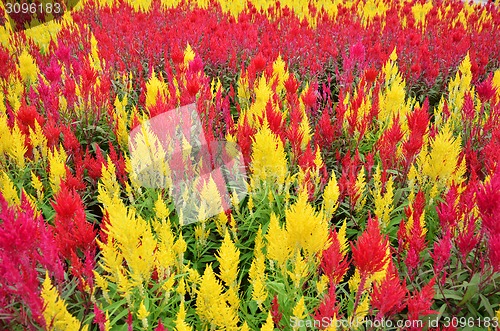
[(367, 196)]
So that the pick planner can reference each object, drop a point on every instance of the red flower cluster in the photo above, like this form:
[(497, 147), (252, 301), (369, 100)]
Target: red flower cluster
[(370, 254), (27, 244)]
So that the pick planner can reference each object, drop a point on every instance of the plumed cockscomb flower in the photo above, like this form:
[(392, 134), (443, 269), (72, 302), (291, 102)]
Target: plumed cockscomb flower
[(161, 327), (447, 211), (389, 295), (306, 229), (72, 229), (494, 251), (328, 309), (420, 302), (441, 252), (26, 245), (488, 201), (333, 260), (100, 318), (370, 252), (276, 311), (486, 90)]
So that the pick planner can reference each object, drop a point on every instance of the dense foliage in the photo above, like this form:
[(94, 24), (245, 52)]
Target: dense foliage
[(370, 135)]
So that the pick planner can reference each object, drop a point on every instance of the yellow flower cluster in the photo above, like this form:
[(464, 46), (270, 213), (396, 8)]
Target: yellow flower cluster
[(12, 143), (150, 258), (269, 162), (134, 249), (212, 303), (55, 313)]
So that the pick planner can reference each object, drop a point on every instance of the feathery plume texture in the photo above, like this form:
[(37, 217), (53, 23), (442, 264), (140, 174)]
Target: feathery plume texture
[(306, 229), (370, 252), (257, 271), (330, 197), (334, 262), (389, 295), (278, 248), (419, 302), (27, 244), (55, 312), (488, 201), (339, 160), (269, 161), (27, 67), (211, 305), (229, 258)]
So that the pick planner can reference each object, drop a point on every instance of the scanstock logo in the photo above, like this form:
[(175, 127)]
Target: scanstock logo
[(171, 151), (26, 14)]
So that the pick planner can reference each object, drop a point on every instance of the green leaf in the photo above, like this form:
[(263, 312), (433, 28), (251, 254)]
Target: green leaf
[(441, 311), (448, 294), (122, 327), (114, 307), (472, 289), (471, 309), (278, 287), (486, 304), (253, 307)]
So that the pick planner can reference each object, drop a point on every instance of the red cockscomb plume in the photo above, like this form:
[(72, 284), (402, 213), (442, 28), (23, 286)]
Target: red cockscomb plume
[(328, 309), (72, 230), (442, 251), (160, 326), (389, 295), (370, 252), (333, 262), (419, 303), (275, 312)]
